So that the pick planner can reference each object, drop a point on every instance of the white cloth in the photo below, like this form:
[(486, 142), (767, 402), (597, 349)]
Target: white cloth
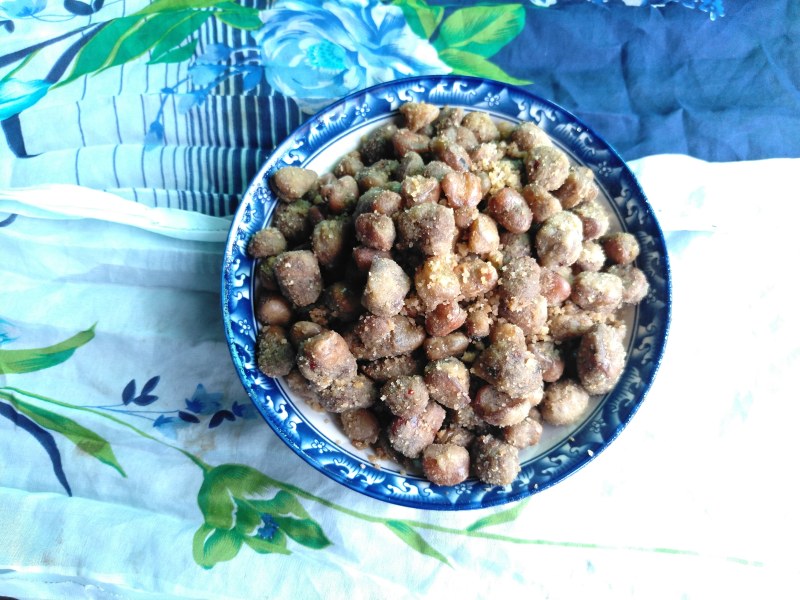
[(695, 499)]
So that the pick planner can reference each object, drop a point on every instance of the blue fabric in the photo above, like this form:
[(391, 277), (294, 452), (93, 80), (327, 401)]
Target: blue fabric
[(671, 80)]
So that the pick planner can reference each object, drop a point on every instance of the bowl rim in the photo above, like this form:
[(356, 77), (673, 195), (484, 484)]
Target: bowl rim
[(636, 192)]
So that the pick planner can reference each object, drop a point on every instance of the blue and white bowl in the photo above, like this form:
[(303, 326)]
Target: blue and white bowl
[(314, 436)]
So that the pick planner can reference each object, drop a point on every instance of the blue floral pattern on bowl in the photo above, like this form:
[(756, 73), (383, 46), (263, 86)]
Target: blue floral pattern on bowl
[(568, 449)]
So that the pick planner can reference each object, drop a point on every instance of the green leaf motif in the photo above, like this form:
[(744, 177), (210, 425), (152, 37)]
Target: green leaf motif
[(27, 361), (101, 47), (415, 540), (83, 438), (160, 6), (175, 55), (303, 531), (182, 29), (481, 30), (499, 518), (211, 546), (421, 18), (222, 486), (283, 503), (467, 63), (238, 16)]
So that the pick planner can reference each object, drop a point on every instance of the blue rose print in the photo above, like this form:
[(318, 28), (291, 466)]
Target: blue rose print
[(316, 53)]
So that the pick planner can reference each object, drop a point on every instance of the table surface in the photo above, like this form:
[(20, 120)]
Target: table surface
[(132, 464)]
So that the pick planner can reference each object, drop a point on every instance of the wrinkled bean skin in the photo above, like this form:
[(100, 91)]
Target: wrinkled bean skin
[(497, 408), (600, 292), (419, 115), (428, 228), (267, 242), (405, 396), (448, 382), (387, 286), (621, 248), (292, 183), (493, 461), (412, 435), (274, 353), (342, 396), (298, 276), (564, 402), (361, 426), (510, 210), (600, 359), (547, 167), (634, 282), (274, 309), (559, 241), (452, 344), (326, 358), (418, 189)]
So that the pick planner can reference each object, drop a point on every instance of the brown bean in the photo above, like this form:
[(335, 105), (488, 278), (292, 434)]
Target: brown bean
[(621, 248), (406, 141), (429, 228), (405, 396), (550, 360), (510, 210), (482, 126), (340, 194), (375, 231), (510, 368), (412, 435), (592, 257), (298, 276), (267, 242), (483, 235), (300, 331), (444, 319), (542, 203), (304, 389), (452, 344), (524, 434), (528, 136), (418, 115), (292, 220), (445, 464), (343, 395), (363, 257), (530, 317), (462, 190), (570, 325), (455, 434), (448, 382), (274, 353), (594, 219), (519, 280), (437, 169), (554, 286), (559, 241), (411, 164), (384, 369), (451, 153), (379, 337), (449, 116), (564, 402), (547, 166), (600, 292), (326, 358), (493, 461), (385, 202), (477, 277), (273, 309), (503, 332), (497, 408), (343, 301), (634, 283), (479, 320), (436, 281), (331, 241), (292, 183), (378, 144), (350, 164), (387, 286), (266, 273), (361, 426), (600, 359), (577, 187), (418, 190)]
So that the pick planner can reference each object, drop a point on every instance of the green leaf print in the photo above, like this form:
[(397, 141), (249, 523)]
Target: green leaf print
[(83, 438), (211, 546), (303, 531), (175, 55), (499, 518), (422, 18), (27, 361), (238, 16), (160, 6), (481, 30), (411, 537), (468, 63)]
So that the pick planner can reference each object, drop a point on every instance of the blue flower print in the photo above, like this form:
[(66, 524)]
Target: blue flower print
[(203, 402), (20, 9), (317, 54)]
